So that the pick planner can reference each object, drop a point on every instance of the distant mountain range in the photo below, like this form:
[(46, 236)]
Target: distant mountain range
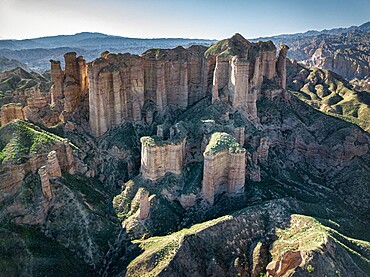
[(336, 31), (37, 52), (98, 41)]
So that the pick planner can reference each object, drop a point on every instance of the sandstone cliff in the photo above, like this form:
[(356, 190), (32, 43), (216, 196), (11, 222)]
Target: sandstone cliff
[(224, 166), (70, 86), (161, 156), (11, 112), (131, 87)]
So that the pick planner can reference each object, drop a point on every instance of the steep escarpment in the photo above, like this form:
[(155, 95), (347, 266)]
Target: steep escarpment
[(131, 87)]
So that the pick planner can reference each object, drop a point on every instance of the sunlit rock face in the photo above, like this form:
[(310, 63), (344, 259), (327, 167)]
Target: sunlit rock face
[(131, 87)]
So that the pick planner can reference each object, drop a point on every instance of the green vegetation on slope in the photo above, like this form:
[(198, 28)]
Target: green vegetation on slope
[(19, 140), (222, 141), (330, 93)]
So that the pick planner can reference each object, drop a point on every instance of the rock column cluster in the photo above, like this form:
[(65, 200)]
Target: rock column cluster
[(68, 86), (132, 87)]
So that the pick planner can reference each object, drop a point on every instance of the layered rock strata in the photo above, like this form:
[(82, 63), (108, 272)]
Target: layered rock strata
[(45, 183), (240, 69), (132, 87), (144, 207), (281, 64), (224, 166), (11, 112), (160, 156), (53, 166), (69, 86)]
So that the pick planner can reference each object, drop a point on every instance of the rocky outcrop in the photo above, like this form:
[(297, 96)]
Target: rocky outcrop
[(116, 91), (57, 80), (69, 86), (281, 64), (45, 183), (11, 112), (239, 135), (230, 244), (131, 87), (240, 69), (144, 206), (224, 166), (161, 156), (290, 260), (53, 166), (263, 149)]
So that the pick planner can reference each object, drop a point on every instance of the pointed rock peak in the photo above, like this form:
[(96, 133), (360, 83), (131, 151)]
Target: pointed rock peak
[(236, 45), (238, 38)]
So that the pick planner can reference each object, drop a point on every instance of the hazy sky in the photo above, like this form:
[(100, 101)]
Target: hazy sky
[(174, 18)]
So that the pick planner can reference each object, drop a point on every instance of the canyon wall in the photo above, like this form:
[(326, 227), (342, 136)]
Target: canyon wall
[(132, 87), (116, 90), (224, 166)]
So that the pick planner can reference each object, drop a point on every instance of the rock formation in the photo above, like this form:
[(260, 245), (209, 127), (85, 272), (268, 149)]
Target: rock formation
[(53, 166), (116, 91), (69, 86), (45, 183), (281, 64), (129, 87), (240, 70), (11, 112), (224, 166), (65, 156), (290, 260), (144, 207), (239, 135), (263, 149), (161, 156)]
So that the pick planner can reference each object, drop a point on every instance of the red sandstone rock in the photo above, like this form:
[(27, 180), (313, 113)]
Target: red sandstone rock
[(11, 112), (160, 157), (53, 166), (45, 183), (224, 167), (144, 207)]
